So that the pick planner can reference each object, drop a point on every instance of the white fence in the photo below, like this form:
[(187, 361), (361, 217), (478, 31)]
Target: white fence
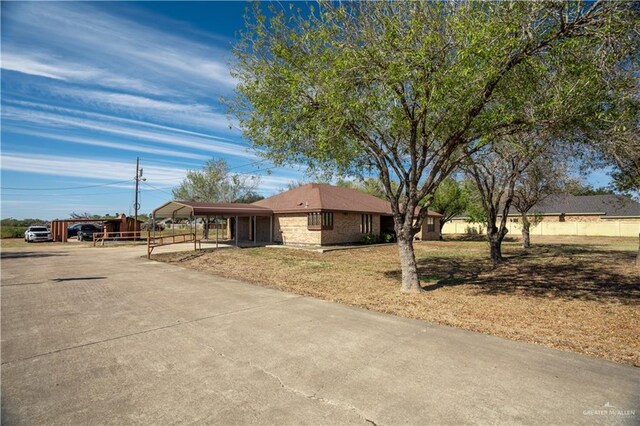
[(612, 228)]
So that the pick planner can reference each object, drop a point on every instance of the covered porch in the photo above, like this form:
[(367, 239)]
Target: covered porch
[(246, 224)]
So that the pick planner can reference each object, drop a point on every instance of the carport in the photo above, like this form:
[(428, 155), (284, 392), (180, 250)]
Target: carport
[(246, 222), (122, 226)]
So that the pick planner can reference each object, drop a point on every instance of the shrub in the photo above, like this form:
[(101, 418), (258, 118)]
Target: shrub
[(12, 231), (370, 239), (387, 237)]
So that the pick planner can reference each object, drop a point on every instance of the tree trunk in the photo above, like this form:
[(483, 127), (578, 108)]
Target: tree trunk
[(495, 246), (495, 235), (442, 222), (410, 280), (526, 234), (205, 229)]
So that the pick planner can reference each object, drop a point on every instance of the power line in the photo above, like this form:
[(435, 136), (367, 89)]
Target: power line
[(64, 188), (156, 189), (68, 195)]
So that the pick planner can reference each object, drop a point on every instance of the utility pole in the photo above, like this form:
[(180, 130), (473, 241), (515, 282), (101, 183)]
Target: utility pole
[(136, 204)]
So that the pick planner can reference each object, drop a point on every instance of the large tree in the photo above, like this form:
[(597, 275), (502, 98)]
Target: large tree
[(407, 89)]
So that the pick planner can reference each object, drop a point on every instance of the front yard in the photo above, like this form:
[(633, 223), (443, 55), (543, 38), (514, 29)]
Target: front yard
[(575, 294)]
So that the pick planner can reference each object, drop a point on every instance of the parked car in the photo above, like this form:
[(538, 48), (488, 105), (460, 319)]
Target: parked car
[(72, 230), (86, 231), (37, 233)]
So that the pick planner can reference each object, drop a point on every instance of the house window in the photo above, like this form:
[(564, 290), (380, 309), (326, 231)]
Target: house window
[(366, 224), (431, 224), (320, 220)]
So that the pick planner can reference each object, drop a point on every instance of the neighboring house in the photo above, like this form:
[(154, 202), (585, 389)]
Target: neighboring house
[(313, 214), (563, 214), (321, 214)]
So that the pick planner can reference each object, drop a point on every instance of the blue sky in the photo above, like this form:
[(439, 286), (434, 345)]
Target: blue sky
[(87, 87)]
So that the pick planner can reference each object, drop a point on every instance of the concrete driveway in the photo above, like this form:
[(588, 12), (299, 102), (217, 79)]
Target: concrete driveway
[(103, 336)]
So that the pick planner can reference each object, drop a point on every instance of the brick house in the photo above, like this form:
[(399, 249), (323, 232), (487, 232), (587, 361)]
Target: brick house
[(321, 214), (313, 214)]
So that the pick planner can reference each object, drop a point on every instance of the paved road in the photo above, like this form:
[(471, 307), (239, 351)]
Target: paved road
[(103, 336)]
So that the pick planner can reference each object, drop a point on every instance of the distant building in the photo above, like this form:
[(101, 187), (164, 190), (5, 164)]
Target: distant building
[(606, 215)]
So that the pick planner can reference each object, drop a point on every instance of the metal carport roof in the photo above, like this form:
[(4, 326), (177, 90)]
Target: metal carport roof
[(192, 208)]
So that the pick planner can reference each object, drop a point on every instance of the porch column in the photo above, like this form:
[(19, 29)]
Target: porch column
[(271, 229), (254, 234), (236, 225), (195, 232), (215, 223)]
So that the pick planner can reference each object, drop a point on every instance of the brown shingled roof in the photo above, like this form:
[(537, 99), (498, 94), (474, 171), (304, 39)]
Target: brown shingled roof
[(316, 197)]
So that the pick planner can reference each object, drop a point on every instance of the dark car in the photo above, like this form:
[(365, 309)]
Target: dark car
[(72, 230), (86, 230)]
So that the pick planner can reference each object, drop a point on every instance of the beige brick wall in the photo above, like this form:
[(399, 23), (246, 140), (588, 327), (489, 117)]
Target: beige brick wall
[(426, 235), (346, 228), (292, 229)]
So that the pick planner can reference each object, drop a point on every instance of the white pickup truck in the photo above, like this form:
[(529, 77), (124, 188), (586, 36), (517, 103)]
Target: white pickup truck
[(37, 233)]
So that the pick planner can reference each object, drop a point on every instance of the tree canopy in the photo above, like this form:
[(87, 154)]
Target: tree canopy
[(215, 183), (408, 89)]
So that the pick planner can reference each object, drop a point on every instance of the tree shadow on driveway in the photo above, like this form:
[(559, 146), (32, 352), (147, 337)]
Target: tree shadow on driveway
[(30, 254)]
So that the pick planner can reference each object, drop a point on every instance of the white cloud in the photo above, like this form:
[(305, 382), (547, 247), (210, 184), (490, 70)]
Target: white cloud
[(114, 145), (190, 114), (42, 67), (20, 117), (88, 37), (110, 118), (89, 168)]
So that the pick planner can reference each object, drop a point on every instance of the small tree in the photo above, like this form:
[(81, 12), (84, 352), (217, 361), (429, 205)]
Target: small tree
[(214, 183), (450, 200), (495, 171), (407, 89), (544, 177)]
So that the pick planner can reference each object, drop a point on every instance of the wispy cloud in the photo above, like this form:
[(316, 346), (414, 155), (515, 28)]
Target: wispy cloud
[(19, 117), (113, 145), (190, 114), (45, 66), (109, 118), (111, 44), (88, 168)]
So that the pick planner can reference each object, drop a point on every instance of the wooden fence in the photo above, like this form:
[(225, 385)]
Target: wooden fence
[(153, 241)]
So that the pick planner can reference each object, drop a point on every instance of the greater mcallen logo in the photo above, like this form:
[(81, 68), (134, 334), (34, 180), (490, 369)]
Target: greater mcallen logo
[(609, 410)]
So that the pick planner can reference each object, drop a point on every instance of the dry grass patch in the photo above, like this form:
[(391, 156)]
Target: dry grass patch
[(577, 295)]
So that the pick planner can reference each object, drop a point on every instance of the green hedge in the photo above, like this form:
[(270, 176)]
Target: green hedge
[(12, 231)]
